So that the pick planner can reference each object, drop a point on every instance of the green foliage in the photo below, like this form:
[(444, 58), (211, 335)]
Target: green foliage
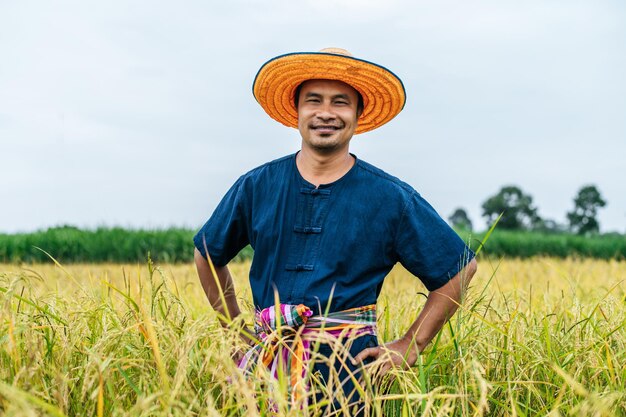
[(69, 244), (516, 208), (460, 220), (528, 244), (583, 219), (549, 226)]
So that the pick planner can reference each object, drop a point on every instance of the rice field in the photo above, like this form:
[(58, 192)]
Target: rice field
[(541, 336)]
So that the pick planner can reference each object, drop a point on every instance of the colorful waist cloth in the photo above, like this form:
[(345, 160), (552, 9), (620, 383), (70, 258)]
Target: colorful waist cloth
[(287, 333)]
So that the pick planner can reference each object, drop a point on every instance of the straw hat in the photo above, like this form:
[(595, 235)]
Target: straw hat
[(276, 82)]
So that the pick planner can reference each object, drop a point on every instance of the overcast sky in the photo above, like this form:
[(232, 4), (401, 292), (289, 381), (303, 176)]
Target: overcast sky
[(140, 113)]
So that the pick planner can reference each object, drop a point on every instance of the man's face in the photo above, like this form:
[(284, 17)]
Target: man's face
[(327, 114)]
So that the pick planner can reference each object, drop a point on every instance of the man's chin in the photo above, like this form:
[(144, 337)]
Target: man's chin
[(325, 140), (325, 147)]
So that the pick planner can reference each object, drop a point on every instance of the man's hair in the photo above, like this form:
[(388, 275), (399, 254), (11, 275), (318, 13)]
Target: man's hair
[(359, 103)]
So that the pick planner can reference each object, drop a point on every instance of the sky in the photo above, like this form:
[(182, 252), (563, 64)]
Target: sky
[(140, 114)]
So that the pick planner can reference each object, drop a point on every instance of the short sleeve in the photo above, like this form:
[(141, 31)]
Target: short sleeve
[(226, 233), (427, 246)]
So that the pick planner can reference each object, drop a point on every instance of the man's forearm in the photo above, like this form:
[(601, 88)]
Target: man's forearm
[(439, 308), (218, 289)]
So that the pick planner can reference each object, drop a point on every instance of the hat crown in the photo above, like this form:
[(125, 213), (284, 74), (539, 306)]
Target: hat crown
[(336, 51)]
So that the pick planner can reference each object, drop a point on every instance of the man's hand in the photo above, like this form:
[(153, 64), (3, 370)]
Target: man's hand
[(441, 304), (400, 353), (247, 336)]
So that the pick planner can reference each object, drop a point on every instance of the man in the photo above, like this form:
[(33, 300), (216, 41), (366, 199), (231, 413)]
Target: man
[(327, 227)]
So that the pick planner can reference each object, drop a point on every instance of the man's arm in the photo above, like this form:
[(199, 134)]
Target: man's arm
[(440, 306), (216, 293)]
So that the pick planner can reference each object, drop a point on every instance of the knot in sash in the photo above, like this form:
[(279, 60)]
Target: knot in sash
[(281, 317), (287, 333)]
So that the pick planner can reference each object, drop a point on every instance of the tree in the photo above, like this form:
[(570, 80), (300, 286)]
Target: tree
[(516, 207), (550, 226), (460, 220), (582, 220)]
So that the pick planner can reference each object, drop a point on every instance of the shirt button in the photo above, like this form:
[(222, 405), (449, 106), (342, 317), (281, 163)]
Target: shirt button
[(314, 191)]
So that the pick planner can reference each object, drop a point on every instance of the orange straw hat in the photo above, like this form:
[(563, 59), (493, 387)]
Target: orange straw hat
[(276, 82)]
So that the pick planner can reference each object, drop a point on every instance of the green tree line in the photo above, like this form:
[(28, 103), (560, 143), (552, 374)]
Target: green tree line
[(513, 209), (520, 232), (71, 245)]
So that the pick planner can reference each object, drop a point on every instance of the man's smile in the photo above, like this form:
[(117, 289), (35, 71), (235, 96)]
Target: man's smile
[(323, 129)]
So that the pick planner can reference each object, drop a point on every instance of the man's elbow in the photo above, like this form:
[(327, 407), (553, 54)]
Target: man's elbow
[(460, 283), (465, 275), (468, 272)]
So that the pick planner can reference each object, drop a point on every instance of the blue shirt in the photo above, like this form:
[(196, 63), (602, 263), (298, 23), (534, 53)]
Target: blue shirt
[(333, 243)]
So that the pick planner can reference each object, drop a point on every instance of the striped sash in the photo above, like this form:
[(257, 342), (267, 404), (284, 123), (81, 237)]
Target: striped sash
[(287, 333)]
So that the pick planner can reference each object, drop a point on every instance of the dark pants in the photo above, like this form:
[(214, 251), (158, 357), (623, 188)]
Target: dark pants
[(334, 380)]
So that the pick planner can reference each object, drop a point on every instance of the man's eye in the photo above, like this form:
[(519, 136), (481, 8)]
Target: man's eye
[(341, 102)]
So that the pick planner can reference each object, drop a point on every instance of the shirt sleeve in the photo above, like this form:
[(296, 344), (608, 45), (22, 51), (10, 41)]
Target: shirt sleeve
[(427, 246), (226, 231)]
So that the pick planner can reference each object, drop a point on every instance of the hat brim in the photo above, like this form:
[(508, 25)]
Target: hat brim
[(276, 82)]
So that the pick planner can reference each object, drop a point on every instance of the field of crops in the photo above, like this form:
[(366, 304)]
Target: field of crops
[(535, 337), (72, 245)]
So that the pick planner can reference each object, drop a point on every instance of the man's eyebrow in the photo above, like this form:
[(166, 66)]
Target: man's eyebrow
[(336, 96), (343, 96), (312, 94)]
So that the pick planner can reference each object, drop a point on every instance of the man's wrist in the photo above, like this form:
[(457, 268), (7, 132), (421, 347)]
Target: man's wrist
[(238, 324), (413, 349)]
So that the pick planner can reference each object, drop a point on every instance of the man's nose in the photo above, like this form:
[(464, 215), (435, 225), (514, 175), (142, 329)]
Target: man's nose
[(325, 112)]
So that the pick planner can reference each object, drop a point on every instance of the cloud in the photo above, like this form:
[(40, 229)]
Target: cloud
[(115, 106)]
